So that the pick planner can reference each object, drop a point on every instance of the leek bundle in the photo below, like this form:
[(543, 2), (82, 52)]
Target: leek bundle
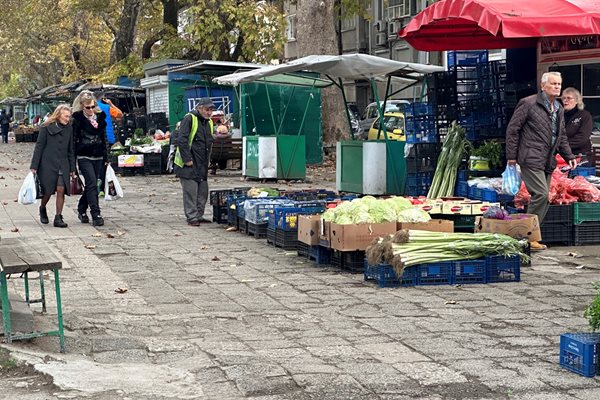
[(444, 178), (412, 247)]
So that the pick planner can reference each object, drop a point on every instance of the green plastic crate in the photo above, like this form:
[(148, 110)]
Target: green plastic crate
[(586, 212)]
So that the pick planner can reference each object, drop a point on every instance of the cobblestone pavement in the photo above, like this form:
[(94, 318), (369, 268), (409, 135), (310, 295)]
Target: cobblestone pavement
[(212, 314)]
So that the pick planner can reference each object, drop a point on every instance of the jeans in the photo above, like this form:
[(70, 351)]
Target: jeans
[(90, 170), (5, 134)]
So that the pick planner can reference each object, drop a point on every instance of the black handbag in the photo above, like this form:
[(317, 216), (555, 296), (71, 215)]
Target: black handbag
[(38, 187)]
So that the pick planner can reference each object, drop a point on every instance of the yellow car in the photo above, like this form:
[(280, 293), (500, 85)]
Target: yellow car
[(394, 126)]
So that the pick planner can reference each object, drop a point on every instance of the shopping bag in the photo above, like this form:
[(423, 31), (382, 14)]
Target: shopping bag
[(76, 186), (27, 194), (38, 187), (112, 187), (511, 180)]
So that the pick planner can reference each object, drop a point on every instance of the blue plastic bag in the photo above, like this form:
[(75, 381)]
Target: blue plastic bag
[(511, 180)]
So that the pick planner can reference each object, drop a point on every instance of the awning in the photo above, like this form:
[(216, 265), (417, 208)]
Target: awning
[(347, 66), (499, 24)]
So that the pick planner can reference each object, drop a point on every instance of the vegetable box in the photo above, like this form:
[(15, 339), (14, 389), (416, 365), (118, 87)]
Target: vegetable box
[(308, 229), (354, 237), (518, 226), (433, 225)]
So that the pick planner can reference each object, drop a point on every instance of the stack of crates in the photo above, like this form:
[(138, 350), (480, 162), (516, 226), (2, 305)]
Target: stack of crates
[(586, 223), (282, 227), (557, 226), (420, 123), (218, 199)]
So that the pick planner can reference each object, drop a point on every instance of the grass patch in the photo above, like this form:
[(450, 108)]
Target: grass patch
[(7, 363)]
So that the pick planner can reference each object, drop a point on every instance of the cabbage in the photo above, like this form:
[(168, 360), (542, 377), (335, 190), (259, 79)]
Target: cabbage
[(329, 215), (495, 212), (399, 203), (413, 215)]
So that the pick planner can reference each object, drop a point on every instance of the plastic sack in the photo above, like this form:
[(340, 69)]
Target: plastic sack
[(511, 180), (112, 187), (27, 193)]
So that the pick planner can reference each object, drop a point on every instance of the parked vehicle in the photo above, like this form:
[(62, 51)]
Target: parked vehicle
[(394, 127), (371, 113)]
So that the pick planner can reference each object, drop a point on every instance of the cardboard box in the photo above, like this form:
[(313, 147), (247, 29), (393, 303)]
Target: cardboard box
[(434, 225), (457, 207), (519, 226), (358, 237), (324, 233), (308, 229), (432, 207), (131, 160), (481, 207)]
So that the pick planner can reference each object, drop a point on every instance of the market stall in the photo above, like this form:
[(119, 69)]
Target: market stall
[(353, 176)]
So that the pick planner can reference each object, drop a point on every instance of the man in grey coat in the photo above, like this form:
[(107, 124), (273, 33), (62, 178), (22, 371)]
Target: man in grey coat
[(194, 143), (535, 134)]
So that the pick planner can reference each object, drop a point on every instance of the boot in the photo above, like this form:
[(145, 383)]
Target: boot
[(58, 221), (98, 221), (537, 246), (44, 216)]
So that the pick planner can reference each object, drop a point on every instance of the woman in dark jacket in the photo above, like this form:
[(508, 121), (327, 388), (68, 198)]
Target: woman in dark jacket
[(89, 130), (578, 122), (53, 161)]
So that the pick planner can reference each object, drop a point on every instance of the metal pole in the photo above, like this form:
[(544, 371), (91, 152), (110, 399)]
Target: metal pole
[(346, 106)]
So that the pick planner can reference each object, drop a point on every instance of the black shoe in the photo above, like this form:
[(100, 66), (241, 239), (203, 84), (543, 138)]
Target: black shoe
[(83, 218), (58, 221), (44, 216), (98, 221)]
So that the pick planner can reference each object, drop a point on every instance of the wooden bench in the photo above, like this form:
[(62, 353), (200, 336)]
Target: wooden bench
[(224, 149), (20, 257)]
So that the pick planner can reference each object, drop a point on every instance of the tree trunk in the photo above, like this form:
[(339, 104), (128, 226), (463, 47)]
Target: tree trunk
[(317, 21), (125, 31), (170, 18)]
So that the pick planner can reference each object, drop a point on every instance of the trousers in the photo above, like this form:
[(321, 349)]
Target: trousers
[(195, 195)]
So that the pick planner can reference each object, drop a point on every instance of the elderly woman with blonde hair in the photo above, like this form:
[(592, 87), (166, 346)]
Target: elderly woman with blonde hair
[(53, 161), (578, 122), (91, 151)]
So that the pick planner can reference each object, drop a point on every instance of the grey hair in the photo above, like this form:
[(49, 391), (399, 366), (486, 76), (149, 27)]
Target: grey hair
[(85, 97), (577, 95), (547, 75)]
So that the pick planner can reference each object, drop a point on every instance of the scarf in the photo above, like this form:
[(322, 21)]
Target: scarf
[(92, 120)]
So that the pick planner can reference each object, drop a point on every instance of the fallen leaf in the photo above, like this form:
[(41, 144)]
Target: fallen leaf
[(231, 229), (215, 258), (450, 302), (120, 233), (203, 247), (5, 203), (14, 229), (90, 246), (575, 255), (580, 267), (152, 195), (110, 236), (272, 285), (121, 290), (97, 234), (177, 234), (15, 200)]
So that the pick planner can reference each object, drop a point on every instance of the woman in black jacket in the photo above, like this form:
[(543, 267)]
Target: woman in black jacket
[(89, 129), (578, 122), (53, 161)]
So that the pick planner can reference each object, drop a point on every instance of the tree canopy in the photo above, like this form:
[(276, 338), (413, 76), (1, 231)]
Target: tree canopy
[(45, 42)]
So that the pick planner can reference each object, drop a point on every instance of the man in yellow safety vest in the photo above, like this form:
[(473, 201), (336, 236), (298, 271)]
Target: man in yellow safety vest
[(192, 157)]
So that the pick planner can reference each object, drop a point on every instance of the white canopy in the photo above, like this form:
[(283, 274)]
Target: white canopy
[(347, 66)]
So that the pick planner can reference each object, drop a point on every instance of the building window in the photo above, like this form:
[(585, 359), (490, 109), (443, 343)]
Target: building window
[(290, 30), (398, 9)]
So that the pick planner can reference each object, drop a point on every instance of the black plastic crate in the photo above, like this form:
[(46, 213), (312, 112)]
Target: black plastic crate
[(557, 233), (152, 164), (132, 171), (242, 224), (302, 248), (219, 197), (420, 164), (351, 261), (586, 233), (259, 231), (287, 240), (220, 214), (320, 255), (559, 214)]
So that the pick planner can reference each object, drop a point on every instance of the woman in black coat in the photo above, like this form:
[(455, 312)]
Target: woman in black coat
[(578, 122), (53, 161), (89, 130)]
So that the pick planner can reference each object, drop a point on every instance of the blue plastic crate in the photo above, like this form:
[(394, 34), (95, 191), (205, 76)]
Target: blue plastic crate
[(257, 210), (462, 175), (469, 271), (386, 276), (320, 255), (286, 218), (583, 171), (492, 196), (435, 273), (471, 57), (579, 353), (462, 189), (419, 109), (503, 269)]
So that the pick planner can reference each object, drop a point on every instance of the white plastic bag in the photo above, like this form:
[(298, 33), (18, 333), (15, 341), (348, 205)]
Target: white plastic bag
[(27, 193), (112, 187)]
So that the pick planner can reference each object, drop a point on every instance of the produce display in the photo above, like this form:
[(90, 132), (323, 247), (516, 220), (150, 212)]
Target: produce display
[(444, 179), (413, 247), (368, 209), (563, 190)]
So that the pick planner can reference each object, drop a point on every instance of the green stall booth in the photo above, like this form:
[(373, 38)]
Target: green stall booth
[(364, 167)]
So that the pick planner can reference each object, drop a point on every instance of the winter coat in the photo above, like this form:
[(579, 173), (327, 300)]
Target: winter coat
[(198, 152), (529, 136), (90, 141), (578, 126), (53, 152)]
